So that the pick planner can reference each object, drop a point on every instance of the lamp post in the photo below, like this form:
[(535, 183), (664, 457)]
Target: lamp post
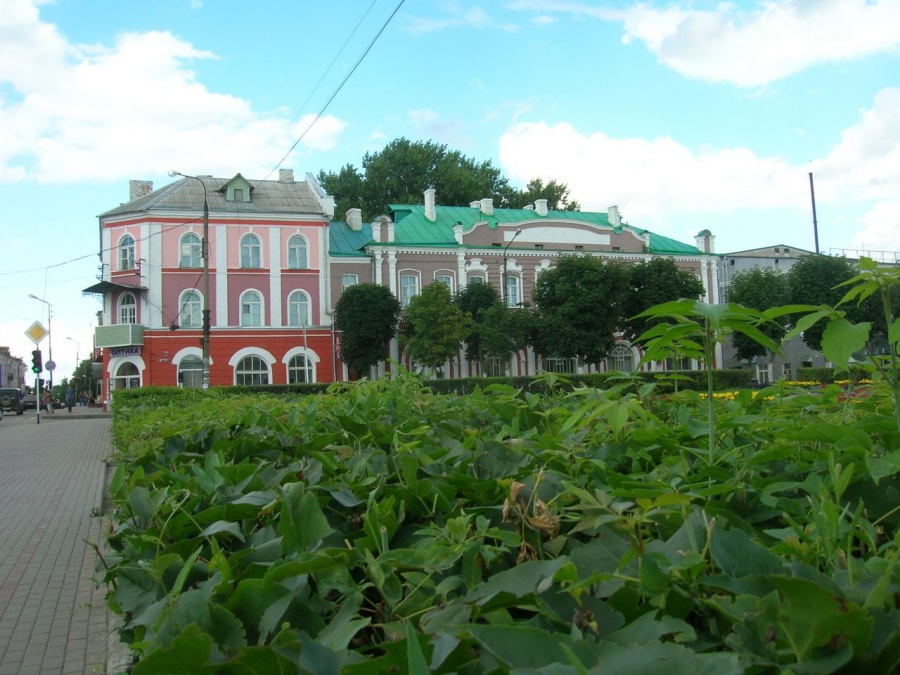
[(49, 335), (505, 248), (204, 252)]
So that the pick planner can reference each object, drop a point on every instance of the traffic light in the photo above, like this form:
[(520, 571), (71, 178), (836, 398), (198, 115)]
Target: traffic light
[(37, 365)]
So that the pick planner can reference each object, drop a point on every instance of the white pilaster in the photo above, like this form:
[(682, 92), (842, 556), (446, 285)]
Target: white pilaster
[(275, 317), (220, 318), (152, 273)]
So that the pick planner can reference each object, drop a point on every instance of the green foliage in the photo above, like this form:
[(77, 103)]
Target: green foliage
[(654, 282), (578, 305), (367, 316), (437, 326), (382, 528), (506, 330), (475, 300), (402, 171), (760, 289)]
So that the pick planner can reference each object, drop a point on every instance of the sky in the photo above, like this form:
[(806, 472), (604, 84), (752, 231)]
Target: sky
[(687, 115)]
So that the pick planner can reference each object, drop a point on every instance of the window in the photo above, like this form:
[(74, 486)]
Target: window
[(512, 291), (493, 367), (127, 308), (190, 372), (621, 358), (787, 371), (476, 280), (126, 252), (250, 251), (251, 309), (300, 370), (446, 279), (238, 194), (409, 288), (298, 309), (191, 255), (578, 247), (348, 280), (297, 250), (558, 365), (540, 247), (191, 314), (251, 370)]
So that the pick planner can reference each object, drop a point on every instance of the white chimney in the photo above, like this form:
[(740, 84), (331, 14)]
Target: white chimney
[(328, 206), (475, 205), (458, 233), (613, 216), (528, 207), (390, 229), (376, 231), (354, 219), (705, 241), (487, 206), (540, 207), (430, 211), (285, 175)]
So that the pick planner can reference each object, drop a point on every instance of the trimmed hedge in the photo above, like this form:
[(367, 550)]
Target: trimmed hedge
[(687, 379), (827, 375)]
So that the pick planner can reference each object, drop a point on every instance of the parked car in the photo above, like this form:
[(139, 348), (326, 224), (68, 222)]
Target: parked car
[(11, 400)]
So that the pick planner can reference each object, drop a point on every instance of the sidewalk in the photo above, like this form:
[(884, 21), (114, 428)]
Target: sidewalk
[(53, 620)]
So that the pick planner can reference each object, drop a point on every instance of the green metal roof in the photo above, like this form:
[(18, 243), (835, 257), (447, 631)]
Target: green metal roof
[(412, 228)]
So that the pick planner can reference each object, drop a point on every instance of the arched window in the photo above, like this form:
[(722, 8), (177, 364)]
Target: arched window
[(191, 310), (297, 253), (621, 358), (409, 288), (127, 308), (298, 309), (300, 370), (251, 309), (191, 251), (126, 252), (190, 372), (251, 249), (127, 376), (251, 370)]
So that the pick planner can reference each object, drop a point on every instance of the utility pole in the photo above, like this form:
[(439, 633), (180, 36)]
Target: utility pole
[(204, 252), (812, 194)]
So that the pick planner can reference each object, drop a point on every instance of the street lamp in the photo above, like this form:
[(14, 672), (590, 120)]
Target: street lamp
[(204, 251), (77, 352), (49, 335), (505, 248)]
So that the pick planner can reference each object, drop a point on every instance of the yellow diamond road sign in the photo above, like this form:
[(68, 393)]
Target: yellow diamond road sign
[(36, 332)]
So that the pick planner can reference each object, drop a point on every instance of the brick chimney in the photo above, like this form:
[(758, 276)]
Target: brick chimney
[(285, 175), (139, 188)]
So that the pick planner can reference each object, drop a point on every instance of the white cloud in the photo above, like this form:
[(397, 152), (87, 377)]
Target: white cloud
[(454, 16), (656, 179), (79, 107), (750, 47)]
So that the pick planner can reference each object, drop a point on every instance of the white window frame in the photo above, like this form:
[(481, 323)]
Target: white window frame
[(445, 277), (259, 303), (620, 354), (251, 252), (127, 251), (555, 364), (190, 312), (513, 283), (294, 318), (308, 370), (262, 372), (298, 252), (348, 280), (127, 310), (194, 256), (405, 294), (190, 371)]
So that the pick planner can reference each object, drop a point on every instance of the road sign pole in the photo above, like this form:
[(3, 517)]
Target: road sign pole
[(39, 396)]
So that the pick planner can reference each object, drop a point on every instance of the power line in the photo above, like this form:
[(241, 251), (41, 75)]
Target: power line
[(339, 87)]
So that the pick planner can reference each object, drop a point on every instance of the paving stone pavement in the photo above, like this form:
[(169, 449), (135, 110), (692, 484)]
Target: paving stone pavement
[(53, 618)]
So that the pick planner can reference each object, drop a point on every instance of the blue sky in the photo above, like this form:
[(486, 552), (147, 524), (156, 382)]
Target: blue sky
[(687, 115)]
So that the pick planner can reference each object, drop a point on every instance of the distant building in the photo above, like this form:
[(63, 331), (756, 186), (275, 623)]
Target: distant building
[(12, 370)]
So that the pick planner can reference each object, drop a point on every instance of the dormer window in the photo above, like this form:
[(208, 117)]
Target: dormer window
[(238, 195), (238, 189)]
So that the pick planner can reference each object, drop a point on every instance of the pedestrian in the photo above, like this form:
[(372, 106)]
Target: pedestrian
[(47, 400), (70, 398)]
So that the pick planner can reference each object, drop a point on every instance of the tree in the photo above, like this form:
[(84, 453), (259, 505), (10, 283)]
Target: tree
[(556, 194), (474, 300), (404, 169), (578, 306), (437, 326), (813, 280), (653, 283), (505, 331), (367, 316), (760, 289)]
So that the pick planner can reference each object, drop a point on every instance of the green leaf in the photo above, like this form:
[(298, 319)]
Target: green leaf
[(737, 555), (303, 524), (187, 654), (415, 658), (233, 529), (841, 339)]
